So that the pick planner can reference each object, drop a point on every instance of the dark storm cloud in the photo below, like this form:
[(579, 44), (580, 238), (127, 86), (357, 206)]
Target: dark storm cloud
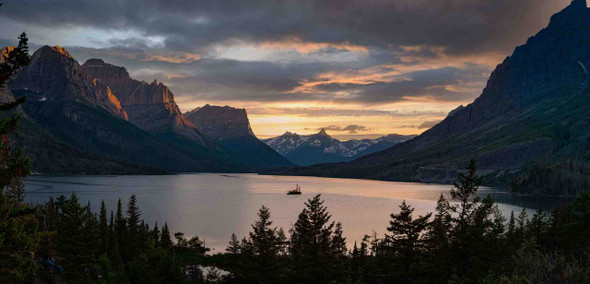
[(176, 41), (458, 25), (234, 80), (433, 83)]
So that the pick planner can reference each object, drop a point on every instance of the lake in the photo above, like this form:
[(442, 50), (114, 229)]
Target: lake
[(213, 206)]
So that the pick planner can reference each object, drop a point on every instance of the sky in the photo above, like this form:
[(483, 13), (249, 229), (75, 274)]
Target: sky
[(358, 68)]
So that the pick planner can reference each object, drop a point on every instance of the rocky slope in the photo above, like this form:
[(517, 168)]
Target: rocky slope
[(533, 111), (50, 155), (321, 148), (54, 75), (150, 106), (230, 128), (69, 107)]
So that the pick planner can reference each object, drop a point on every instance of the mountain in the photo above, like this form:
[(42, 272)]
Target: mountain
[(49, 155), (322, 148), (531, 116), (150, 107), (69, 113), (230, 128), (55, 75)]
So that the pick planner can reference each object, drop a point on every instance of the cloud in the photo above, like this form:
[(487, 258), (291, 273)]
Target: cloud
[(317, 58), (457, 25), (442, 84), (428, 124), (353, 112), (351, 129)]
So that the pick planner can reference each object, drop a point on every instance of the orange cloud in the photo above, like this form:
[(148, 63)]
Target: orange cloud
[(304, 47), (172, 57)]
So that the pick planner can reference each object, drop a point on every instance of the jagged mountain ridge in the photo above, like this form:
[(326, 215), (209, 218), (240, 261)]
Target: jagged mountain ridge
[(54, 75), (230, 127), (532, 111), (151, 107), (78, 110), (320, 148)]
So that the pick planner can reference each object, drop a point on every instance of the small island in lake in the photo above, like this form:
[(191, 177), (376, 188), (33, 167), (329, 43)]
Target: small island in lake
[(296, 191)]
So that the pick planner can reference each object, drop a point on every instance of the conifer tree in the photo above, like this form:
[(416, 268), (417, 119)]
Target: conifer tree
[(120, 230), (465, 191), (234, 251), (19, 235), (406, 240), (438, 235), (155, 235), (165, 240), (133, 229), (197, 246), (104, 227), (312, 244), (522, 219), (263, 248), (76, 241), (112, 237), (511, 224), (477, 225), (234, 246)]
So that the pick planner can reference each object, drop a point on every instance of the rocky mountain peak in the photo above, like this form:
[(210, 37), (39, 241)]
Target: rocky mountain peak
[(322, 133), (567, 17), (150, 106), (54, 75), (551, 65), (105, 71), (54, 49), (220, 122), (579, 4), (94, 62)]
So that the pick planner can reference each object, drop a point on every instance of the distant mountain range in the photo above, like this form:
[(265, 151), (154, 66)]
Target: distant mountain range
[(319, 148), (95, 119), (529, 129)]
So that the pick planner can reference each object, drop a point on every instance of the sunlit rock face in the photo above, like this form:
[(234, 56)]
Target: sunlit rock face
[(149, 106), (4, 53), (54, 75), (220, 122)]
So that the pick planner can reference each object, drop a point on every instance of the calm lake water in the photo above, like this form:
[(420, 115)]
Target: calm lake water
[(213, 206)]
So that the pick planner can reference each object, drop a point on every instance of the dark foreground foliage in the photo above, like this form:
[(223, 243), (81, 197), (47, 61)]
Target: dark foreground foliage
[(467, 241)]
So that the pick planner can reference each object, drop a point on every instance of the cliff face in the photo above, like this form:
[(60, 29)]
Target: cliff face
[(54, 75), (73, 123), (149, 106), (230, 127), (220, 122), (533, 110)]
